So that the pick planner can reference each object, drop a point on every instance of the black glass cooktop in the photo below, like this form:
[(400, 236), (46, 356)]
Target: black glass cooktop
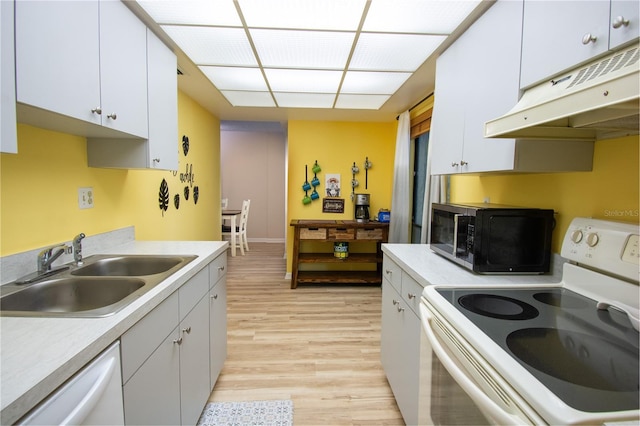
[(587, 357)]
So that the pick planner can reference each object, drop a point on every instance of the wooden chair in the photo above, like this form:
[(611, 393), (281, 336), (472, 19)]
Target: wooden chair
[(224, 204), (241, 228)]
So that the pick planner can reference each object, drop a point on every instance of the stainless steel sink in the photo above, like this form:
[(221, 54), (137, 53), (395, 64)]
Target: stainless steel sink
[(130, 265), (102, 287), (63, 296)]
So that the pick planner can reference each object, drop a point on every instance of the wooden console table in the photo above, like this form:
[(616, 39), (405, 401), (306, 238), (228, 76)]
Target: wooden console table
[(371, 234)]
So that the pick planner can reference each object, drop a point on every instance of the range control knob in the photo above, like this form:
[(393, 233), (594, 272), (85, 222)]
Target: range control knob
[(576, 236), (592, 239)]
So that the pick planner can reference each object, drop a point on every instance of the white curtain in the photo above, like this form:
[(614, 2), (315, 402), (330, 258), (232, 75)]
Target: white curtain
[(434, 192), (400, 199)]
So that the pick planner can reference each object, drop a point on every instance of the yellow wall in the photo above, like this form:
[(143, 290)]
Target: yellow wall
[(39, 187), (609, 192), (336, 146)]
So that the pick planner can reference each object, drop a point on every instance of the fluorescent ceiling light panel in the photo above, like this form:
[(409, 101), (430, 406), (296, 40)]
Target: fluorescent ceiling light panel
[(417, 16), (212, 45), (193, 12), (304, 100), (382, 83), (361, 101), (302, 49), (393, 52), (314, 81), (303, 14), (232, 78), (248, 99)]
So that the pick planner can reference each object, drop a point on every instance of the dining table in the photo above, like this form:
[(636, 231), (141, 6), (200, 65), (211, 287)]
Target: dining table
[(232, 215)]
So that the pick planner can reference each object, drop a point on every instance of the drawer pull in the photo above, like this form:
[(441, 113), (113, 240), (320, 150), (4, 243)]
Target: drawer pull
[(178, 341), (187, 330), (411, 295), (388, 271), (221, 268), (395, 302), (215, 296), (400, 309)]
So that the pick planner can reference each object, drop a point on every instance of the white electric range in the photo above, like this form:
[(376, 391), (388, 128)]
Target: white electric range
[(563, 353)]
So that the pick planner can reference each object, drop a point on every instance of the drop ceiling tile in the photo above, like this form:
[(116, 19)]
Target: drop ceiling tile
[(248, 99), (393, 52), (347, 101), (302, 49), (417, 16), (233, 78), (192, 12), (304, 100), (314, 81), (213, 45), (307, 14), (381, 83)]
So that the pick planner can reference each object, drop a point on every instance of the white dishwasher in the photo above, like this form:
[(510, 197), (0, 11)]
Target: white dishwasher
[(93, 396)]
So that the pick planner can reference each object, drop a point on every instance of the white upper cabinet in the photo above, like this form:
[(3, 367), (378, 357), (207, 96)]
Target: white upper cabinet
[(560, 35), (163, 104), (83, 72), (123, 69), (160, 150), (624, 27), (8, 135), (477, 79)]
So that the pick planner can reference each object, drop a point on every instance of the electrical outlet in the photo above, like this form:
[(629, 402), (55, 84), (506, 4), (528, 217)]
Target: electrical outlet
[(85, 198)]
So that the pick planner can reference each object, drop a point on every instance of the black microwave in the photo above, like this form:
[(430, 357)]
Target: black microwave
[(492, 238)]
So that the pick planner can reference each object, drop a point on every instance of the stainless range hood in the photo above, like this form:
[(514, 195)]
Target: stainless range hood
[(599, 100)]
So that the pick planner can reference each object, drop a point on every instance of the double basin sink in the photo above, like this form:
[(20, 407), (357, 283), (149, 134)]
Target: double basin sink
[(102, 286)]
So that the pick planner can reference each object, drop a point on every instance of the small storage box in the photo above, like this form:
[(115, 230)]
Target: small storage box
[(369, 234), (341, 234), (313, 233), (384, 216)]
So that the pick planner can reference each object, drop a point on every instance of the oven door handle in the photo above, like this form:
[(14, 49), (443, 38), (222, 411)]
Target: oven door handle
[(489, 407)]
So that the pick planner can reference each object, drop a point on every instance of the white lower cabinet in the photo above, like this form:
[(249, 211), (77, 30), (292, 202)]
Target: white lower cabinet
[(167, 356), (400, 340), (8, 131), (217, 319)]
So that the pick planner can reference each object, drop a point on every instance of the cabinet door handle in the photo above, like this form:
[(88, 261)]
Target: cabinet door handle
[(400, 309), (112, 116), (411, 295), (619, 22), (395, 302), (215, 297), (97, 110), (178, 341), (187, 330), (156, 160), (388, 271), (588, 38), (454, 164), (220, 268), (463, 163)]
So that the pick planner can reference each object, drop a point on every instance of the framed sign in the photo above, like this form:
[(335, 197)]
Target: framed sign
[(333, 205)]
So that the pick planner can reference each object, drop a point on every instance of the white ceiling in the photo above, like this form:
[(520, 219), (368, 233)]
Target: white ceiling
[(275, 60)]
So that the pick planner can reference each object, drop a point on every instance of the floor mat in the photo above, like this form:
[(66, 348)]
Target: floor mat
[(264, 413)]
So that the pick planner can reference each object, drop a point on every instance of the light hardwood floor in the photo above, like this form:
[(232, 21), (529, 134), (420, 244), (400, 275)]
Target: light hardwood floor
[(316, 345)]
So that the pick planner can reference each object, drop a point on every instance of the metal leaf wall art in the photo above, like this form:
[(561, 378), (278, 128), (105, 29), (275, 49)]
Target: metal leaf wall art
[(163, 196)]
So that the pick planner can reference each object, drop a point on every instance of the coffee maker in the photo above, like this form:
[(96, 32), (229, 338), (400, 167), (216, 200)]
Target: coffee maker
[(362, 208)]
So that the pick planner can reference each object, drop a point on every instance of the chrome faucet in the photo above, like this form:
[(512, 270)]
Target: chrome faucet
[(77, 248), (47, 256)]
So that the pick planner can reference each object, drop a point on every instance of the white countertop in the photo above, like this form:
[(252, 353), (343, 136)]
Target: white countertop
[(429, 268), (39, 354)]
